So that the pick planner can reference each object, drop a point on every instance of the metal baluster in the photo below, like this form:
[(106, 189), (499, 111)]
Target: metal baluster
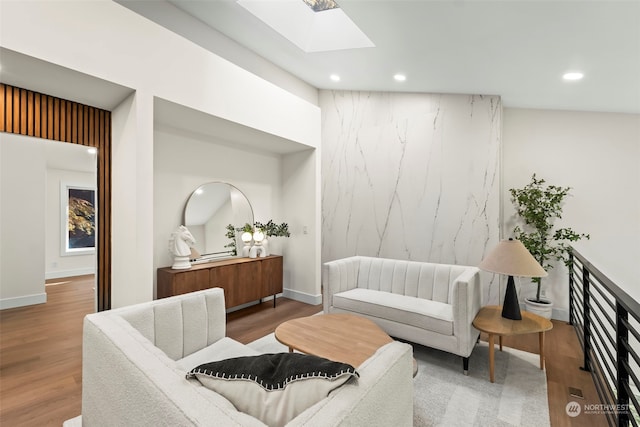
[(586, 312), (622, 342), (571, 284)]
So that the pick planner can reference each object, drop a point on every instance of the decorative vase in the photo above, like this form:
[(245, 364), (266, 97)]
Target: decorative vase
[(543, 309), (265, 246)]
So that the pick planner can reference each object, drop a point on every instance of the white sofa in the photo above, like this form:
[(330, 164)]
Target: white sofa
[(135, 360), (425, 303)]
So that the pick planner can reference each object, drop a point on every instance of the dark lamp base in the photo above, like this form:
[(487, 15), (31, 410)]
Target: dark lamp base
[(511, 308)]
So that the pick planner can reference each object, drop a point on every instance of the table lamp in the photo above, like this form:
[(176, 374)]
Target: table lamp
[(246, 239), (512, 258), (257, 250)]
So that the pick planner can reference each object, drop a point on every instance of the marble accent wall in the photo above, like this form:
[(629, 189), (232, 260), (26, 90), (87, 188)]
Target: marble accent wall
[(410, 176)]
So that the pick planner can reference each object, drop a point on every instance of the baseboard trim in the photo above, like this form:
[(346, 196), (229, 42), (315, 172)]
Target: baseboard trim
[(288, 293), (23, 301), (69, 273), (249, 304), (302, 297), (73, 422), (561, 314)]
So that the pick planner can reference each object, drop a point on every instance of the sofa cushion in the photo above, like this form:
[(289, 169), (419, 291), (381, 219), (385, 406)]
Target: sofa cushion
[(274, 388), (224, 348), (421, 313)]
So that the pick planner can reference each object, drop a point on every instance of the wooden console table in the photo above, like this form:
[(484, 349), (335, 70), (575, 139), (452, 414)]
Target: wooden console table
[(243, 279)]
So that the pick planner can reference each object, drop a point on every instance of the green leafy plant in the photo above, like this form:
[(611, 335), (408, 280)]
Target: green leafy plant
[(231, 234), (271, 229), (539, 205), (246, 228)]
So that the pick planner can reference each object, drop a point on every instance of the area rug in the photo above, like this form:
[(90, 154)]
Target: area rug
[(443, 396)]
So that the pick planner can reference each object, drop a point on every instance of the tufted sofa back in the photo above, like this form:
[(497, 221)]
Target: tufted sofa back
[(180, 326), (417, 279), (410, 278)]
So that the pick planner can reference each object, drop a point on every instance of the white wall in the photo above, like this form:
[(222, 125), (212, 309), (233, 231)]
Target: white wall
[(177, 20), (32, 173), (598, 154), (22, 220), (278, 188), (300, 199), (132, 272), (411, 176), (56, 265), (155, 62), (180, 168)]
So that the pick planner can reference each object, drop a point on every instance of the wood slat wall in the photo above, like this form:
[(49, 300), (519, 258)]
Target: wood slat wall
[(25, 112)]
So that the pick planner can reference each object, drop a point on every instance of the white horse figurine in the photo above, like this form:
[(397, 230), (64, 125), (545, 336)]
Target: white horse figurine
[(180, 245)]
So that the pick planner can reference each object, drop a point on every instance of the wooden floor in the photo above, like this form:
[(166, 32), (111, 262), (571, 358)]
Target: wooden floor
[(563, 359), (41, 355)]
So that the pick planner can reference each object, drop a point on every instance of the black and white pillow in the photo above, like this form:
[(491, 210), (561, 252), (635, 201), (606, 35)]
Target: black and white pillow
[(274, 388)]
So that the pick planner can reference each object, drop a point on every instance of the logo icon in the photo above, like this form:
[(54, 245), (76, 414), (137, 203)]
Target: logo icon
[(573, 409)]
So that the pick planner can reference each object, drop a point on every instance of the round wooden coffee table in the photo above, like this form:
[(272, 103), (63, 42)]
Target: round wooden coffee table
[(489, 320), (339, 337)]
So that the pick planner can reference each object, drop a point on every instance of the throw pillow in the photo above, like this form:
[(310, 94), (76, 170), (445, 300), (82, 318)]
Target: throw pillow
[(276, 387)]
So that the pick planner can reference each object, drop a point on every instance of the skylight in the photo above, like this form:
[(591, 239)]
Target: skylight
[(321, 5), (311, 31)]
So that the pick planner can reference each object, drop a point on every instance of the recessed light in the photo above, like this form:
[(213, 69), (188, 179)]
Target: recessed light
[(334, 77), (573, 75), (400, 77)]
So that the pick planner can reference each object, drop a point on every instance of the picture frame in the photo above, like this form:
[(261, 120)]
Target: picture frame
[(78, 219)]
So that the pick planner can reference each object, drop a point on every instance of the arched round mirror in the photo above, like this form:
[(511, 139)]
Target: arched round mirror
[(209, 211)]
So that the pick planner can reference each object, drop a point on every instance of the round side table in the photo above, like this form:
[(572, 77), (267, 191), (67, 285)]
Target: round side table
[(490, 321)]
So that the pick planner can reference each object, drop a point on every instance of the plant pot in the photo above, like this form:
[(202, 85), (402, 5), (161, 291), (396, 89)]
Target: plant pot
[(542, 308)]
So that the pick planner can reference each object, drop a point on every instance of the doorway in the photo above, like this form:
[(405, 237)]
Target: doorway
[(42, 216), (30, 113)]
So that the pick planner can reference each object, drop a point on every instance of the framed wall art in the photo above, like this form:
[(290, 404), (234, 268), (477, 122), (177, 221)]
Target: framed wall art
[(78, 215)]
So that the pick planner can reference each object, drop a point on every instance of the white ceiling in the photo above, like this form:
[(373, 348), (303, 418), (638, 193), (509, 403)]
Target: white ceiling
[(73, 157), (516, 49), (23, 71), (57, 155)]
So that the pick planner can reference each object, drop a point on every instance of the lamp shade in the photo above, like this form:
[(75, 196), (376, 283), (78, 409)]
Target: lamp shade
[(246, 237), (258, 236), (511, 257)]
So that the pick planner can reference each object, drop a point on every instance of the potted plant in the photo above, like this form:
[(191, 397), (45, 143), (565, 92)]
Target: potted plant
[(539, 205), (271, 229)]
